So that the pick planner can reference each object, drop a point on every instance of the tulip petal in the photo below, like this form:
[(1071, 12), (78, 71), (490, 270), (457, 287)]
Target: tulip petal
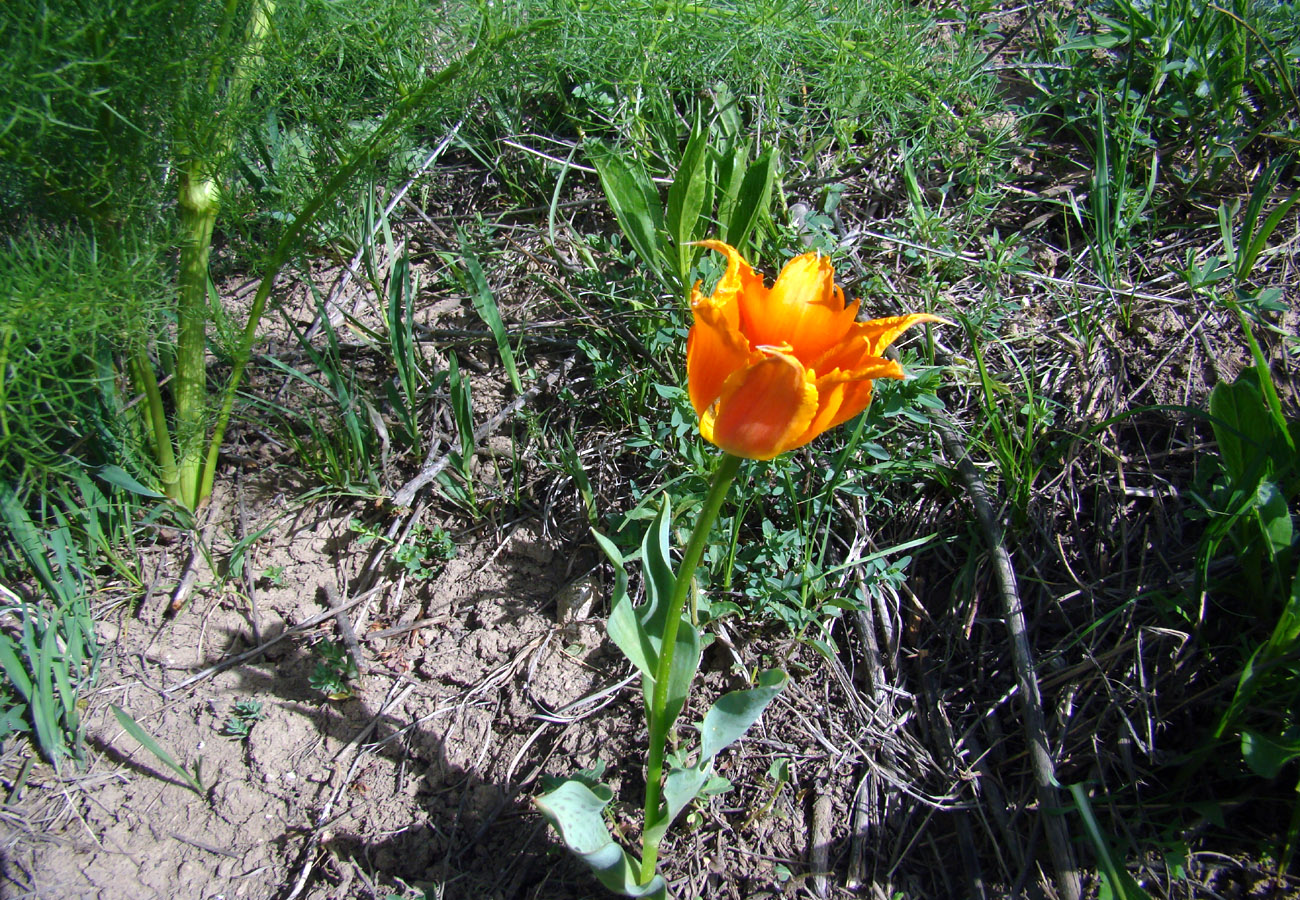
[(763, 410), (850, 367), (804, 309), (714, 349), (853, 359), (840, 402), (880, 333), (738, 281)]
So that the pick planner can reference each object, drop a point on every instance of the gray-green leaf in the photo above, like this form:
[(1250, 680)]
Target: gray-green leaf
[(733, 713), (576, 813)]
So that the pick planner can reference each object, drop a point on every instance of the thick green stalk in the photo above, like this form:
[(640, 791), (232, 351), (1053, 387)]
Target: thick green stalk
[(659, 724), (198, 203), (411, 103), (199, 200)]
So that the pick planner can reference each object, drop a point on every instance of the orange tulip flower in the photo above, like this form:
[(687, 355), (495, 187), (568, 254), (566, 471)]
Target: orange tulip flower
[(769, 369)]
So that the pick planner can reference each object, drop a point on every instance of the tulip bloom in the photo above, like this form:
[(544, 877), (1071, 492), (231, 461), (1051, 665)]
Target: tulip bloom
[(770, 369)]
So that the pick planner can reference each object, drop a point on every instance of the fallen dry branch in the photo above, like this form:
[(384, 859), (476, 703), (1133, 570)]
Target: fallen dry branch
[(1049, 798), (406, 493), (268, 644)]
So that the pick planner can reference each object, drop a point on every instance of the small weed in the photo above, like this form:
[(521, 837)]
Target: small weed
[(244, 714), (273, 576), (334, 672), (424, 552)]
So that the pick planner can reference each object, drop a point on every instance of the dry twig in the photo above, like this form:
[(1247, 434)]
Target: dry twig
[(1058, 836), (406, 493)]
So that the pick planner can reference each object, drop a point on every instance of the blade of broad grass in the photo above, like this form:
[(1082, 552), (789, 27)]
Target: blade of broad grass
[(48, 736), (1269, 389), (753, 198), (1254, 239), (401, 326), (689, 196), (52, 675), (729, 166), (635, 201), (485, 305), (462, 408), (342, 386), (13, 668), (404, 393), (346, 441), (53, 642), (24, 533), (120, 478), (1121, 882), (44, 710), (132, 727)]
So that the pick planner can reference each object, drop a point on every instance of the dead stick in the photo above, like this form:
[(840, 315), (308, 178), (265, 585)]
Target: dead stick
[(1058, 834), (262, 648), (819, 851), (345, 626), (426, 475), (197, 545)]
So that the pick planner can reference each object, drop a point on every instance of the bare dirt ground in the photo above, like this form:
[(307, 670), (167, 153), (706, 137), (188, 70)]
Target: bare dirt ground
[(423, 777)]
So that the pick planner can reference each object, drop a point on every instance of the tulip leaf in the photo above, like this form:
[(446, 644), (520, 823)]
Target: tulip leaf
[(1242, 428), (733, 713), (576, 812), (1287, 630), (635, 201), (1267, 755), (624, 626), (753, 199), (723, 725), (627, 634), (682, 786), (1274, 516), (611, 550), (659, 577), (686, 662)]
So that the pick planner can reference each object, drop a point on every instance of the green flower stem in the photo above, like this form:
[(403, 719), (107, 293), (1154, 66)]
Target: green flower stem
[(659, 724)]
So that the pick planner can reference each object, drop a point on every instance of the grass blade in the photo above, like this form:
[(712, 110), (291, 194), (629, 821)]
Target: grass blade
[(754, 198), (486, 305), (462, 409), (688, 197), (132, 727), (1121, 882)]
